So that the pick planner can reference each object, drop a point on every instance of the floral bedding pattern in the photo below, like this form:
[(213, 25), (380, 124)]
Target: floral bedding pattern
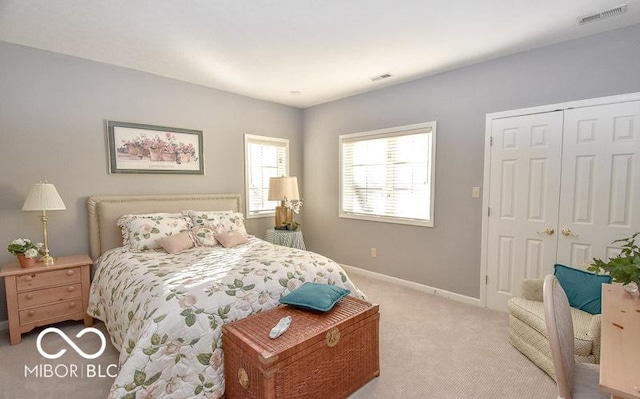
[(165, 312), (142, 232)]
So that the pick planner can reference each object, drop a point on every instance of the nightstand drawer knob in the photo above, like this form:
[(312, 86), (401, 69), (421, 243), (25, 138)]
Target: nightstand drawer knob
[(29, 296), (70, 289), (69, 272), (31, 313), (72, 305), (29, 278)]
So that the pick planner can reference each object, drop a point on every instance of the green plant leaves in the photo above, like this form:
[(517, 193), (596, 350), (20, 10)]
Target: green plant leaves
[(624, 268)]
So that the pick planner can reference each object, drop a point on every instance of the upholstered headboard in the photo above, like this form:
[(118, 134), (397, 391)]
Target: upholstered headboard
[(104, 211)]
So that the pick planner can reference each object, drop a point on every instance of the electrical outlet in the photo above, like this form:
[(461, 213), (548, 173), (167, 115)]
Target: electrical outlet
[(374, 253), (475, 192)]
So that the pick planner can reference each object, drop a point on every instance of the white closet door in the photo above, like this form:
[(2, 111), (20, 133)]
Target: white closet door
[(523, 201), (600, 186)]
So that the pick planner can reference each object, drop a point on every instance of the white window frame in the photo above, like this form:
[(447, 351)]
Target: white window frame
[(252, 139), (384, 133)]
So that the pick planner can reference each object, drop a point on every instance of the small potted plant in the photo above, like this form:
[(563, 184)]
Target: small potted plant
[(155, 147), (624, 268), (187, 152), (295, 206), (170, 152), (292, 226), (26, 251)]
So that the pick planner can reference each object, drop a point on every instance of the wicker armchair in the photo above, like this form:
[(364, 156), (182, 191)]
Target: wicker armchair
[(528, 333)]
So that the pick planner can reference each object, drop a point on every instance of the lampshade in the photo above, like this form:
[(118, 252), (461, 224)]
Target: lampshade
[(281, 187), (43, 197)]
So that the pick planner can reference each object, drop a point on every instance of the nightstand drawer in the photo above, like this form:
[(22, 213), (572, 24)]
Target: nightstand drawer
[(48, 279), (49, 295), (50, 311)]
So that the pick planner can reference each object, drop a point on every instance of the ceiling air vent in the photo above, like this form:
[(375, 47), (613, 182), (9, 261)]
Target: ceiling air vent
[(603, 14)]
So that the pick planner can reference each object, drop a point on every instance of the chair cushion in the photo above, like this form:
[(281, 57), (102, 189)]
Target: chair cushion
[(583, 289), (532, 344), (531, 289), (531, 313)]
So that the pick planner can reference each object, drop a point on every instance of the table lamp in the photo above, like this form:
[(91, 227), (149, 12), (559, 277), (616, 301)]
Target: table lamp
[(44, 197), (281, 189)]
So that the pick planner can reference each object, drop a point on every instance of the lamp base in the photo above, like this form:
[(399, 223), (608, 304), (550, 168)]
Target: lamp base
[(47, 259), (284, 215)]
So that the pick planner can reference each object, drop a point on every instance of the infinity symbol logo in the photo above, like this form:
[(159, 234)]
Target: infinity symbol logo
[(71, 343)]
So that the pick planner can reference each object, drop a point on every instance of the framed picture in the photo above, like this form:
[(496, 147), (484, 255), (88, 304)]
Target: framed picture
[(138, 148)]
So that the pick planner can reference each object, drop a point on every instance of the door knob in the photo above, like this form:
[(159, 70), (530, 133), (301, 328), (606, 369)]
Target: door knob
[(567, 232), (548, 231)]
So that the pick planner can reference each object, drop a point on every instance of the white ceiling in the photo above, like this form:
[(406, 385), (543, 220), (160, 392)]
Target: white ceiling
[(299, 52)]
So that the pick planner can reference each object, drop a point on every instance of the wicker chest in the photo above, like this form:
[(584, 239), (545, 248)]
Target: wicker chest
[(321, 355)]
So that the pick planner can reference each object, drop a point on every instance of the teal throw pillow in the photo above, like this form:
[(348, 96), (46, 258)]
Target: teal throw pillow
[(315, 296), (583, 289)]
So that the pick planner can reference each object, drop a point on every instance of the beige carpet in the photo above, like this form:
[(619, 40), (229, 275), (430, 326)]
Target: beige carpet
[(430, 347)]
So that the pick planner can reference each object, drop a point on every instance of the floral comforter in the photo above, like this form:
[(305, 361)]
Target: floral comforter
[(165, 312)]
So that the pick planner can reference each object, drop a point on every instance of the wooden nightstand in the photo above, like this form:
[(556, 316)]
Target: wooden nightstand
[(42, 295)]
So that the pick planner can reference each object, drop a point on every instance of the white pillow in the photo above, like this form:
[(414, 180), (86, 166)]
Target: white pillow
[(205, 237), (217, 221), (231, 222), (204, 218), (142, 232)]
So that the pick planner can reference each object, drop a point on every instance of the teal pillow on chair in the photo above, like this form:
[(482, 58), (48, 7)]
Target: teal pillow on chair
[(583, 289), (315, 296)]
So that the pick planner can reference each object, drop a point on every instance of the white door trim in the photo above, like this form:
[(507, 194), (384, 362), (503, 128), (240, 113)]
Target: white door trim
[(621, 98), (487, 162)]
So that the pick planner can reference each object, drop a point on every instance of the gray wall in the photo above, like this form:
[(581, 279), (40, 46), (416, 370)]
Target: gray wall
[(448, 255), (52, 112)]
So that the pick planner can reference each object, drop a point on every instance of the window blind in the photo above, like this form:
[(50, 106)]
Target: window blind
[(266, 158), (387, 174)]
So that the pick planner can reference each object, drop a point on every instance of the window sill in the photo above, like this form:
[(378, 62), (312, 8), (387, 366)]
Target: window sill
[(261, 215), (385, 219)]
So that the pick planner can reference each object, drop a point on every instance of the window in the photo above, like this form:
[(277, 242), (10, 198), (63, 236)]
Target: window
[(264, 157), (387, 175)]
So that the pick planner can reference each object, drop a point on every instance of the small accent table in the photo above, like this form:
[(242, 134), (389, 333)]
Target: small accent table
[(287, 238)]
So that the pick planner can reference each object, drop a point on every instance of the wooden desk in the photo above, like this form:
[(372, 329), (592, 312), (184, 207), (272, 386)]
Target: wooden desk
[(620, 343)]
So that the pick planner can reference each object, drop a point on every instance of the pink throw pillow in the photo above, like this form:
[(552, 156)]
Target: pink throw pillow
[(176, 243), (231, 238)]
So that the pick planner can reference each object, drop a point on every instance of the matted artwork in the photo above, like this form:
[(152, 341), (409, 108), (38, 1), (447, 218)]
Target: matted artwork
[(138, 148)]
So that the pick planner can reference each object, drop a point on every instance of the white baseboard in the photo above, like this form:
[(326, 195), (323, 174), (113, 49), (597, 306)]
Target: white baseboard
[(4, 325), (416, 286)]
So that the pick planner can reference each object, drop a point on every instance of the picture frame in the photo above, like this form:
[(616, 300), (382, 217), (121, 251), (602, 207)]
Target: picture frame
[(140, 148)]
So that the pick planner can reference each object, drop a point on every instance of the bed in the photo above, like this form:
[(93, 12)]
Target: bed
[(164, 312)]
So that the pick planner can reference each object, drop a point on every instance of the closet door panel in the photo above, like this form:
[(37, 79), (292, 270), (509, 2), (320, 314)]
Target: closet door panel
[(523, 198), (600, 182)]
